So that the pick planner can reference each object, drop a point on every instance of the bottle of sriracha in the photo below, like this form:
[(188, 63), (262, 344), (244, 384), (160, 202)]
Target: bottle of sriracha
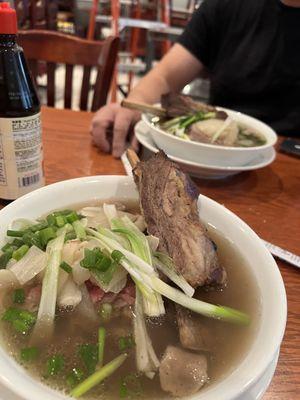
[(21, 156)]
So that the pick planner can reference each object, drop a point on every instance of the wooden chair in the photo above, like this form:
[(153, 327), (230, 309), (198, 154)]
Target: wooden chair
[(36, 14), (57, 48)]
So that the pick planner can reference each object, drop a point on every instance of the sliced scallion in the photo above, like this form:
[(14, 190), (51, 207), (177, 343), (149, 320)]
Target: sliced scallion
[(101, 345), (66, 267), (19, 296), (55, 364), (98, 376), (74, 377), (29, 353), (20, 252), (46, 235), (13, 233)]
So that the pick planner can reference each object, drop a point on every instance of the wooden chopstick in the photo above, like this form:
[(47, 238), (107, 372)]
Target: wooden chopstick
[(132, 158), (155, 110)]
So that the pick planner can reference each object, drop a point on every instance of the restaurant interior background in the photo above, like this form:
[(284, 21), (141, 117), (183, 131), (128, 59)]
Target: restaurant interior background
[(161, 23)]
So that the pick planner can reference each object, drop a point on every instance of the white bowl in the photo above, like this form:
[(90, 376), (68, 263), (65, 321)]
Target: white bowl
[(258, 363), (199, 170), (222, 156)]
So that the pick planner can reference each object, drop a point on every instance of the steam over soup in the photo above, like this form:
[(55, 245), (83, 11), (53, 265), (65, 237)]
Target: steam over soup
[(102, 317)]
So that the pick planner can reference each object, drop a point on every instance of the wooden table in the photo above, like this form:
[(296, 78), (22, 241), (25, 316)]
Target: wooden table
[(268, 200)]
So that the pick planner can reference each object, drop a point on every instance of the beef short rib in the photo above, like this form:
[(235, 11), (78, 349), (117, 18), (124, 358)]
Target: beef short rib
[(169, 203)]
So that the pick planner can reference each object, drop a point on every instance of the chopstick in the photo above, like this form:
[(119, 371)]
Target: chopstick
[(130, 159), (155, 110)]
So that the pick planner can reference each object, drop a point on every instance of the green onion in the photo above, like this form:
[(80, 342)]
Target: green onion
[(29, 354), (66, 228), (31, 238), (11, 314), (89, 259), (198, 306), (105, 311), (138, 242), (123, 391), (36, 241), (79, 230), (17, 242), (63, 212), (70, 236), (21, 326), (98, 376), (12, 233), (74, 377), (19, 296), (55, 364), (142, 273), (117, 256), (27, 316), (101, 344), (60, 221), (89, 355), (126, 342), (46, 314), (7, 247), (4, 258), (46, 235), (51, 219), (103, 263), (131, 386), (20, 252), (71, 217), (39, 226), (106, 277), (21, 320), (95, 260), (66, 267), (27, 238)]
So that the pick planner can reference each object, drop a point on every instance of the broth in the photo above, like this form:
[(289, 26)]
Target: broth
[(231, 342), (246, 135)]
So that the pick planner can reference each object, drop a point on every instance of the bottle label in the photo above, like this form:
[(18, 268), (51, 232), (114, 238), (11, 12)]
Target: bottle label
[(21, 156)]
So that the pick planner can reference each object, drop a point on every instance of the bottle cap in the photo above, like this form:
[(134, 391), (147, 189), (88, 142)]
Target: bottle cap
[(8, 19)]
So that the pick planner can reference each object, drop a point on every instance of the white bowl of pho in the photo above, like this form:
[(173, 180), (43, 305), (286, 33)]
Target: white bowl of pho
[(94, 306), (211, 135)]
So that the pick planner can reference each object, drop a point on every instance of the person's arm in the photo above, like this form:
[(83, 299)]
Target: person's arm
[(171, 74), (177, 68)]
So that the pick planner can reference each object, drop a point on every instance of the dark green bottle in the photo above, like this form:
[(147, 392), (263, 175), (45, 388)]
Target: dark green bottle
[(21, 156)]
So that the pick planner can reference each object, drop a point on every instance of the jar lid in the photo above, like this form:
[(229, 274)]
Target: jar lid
[(8, 19)]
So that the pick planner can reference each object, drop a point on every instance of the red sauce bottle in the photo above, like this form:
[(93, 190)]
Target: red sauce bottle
[(21, 156)]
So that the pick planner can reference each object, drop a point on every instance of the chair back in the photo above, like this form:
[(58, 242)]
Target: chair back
[(57, 48), (36, 14)]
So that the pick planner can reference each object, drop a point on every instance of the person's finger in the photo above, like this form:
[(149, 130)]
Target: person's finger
[(101, 124), (99, 136), (122, 124), (135, 144)]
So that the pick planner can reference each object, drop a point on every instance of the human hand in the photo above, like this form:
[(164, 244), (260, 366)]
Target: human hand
[(117, 121)]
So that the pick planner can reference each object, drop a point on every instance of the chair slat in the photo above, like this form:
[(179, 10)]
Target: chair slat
[(51, 67), (55, 48), (106, 64), (85, 88), (68, 86)]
